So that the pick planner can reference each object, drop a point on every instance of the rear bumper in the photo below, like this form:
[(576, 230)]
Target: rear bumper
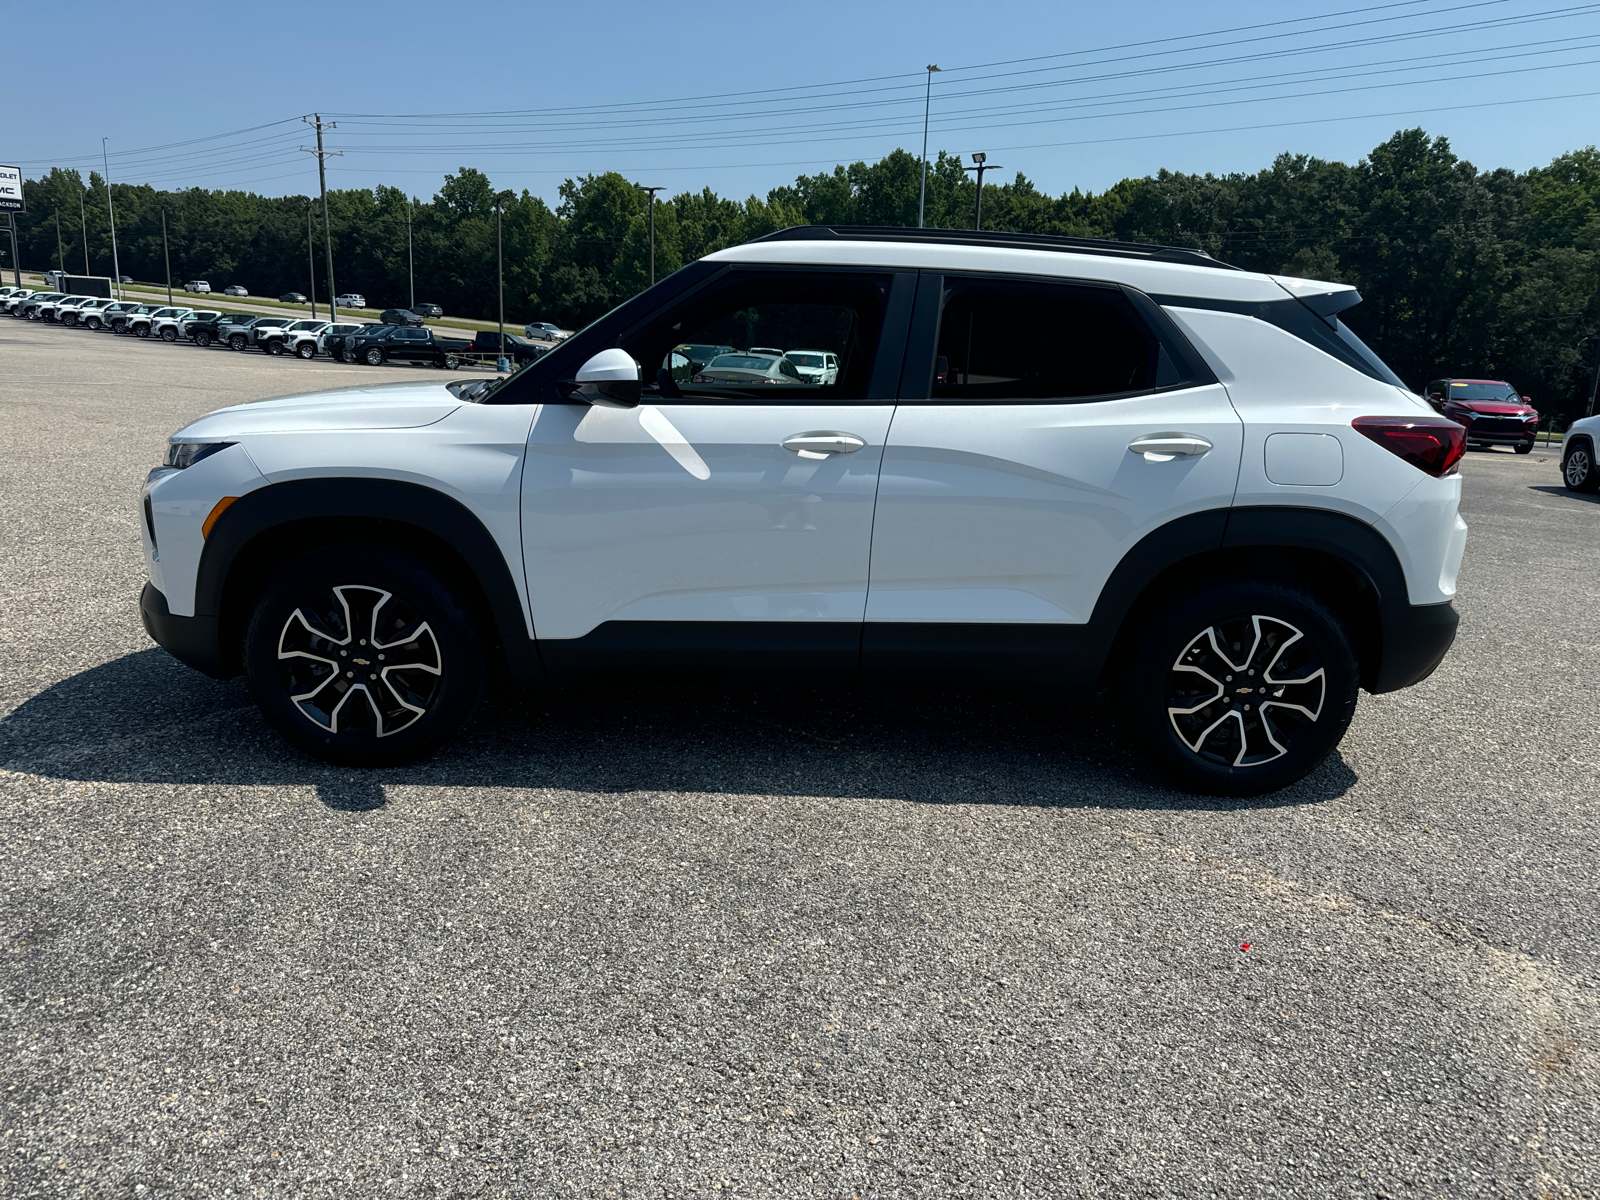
[(1415, 640), (191, 640)]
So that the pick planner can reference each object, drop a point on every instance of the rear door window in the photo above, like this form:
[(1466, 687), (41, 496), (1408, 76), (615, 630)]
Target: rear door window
[(1011, 339)]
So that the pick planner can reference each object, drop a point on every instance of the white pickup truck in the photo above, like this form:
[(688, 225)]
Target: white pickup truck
[(143, 324), (77, 311), (297, 337)]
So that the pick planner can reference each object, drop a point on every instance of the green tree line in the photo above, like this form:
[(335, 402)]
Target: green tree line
[(1464, 271)]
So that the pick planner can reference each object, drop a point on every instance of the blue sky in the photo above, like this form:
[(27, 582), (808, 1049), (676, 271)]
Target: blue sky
[(741, 97)]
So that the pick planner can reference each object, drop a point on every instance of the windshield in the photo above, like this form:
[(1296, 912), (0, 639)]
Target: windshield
[(1484, 391), (743, 362), (805, 360)]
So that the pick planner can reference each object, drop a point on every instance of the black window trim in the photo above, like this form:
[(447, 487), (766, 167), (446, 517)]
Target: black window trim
[(538, 382), (1298, 319), (916, 382)]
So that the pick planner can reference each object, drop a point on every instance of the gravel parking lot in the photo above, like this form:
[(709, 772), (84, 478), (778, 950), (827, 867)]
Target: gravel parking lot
[(668, 943)]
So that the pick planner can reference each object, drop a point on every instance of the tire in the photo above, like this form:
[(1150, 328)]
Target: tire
[(319, 615), (373, 356), (142, 330), (1578, 469), (306, 350), (237, 341), (169, 334), (33, 314), (202, 339), (70, 320), (451, 362), (273, 347), (1187, 701), (1524, 447), (93, 323), (349, 355)]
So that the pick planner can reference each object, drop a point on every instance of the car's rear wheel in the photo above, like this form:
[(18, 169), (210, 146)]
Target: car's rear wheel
[(1242, 688), (1578, 470), (306, 350), (169, 334), (374, 356), (238, 341), (363, 657)]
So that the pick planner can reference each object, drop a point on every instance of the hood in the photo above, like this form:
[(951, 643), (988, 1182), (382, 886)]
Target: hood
[(389, 406)]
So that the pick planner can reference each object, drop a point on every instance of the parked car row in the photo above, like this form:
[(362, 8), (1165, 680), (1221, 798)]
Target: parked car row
[(346, 341)]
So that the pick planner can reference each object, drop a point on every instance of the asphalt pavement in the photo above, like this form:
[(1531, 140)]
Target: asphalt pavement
[(770, 943)]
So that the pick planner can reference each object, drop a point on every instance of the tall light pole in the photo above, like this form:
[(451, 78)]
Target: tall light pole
[(83, 220), (411, 262), (980, 165), (311, 263), (166, 254), (322, 181), (927, 106), (116, 266), (504, 362), (61, 255), (652, 191)]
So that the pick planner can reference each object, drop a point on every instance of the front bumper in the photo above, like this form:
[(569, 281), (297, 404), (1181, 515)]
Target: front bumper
[(191, 640), (1416, 638)]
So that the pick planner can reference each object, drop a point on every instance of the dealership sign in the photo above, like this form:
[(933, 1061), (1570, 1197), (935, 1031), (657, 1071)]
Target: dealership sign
[(10, 189)]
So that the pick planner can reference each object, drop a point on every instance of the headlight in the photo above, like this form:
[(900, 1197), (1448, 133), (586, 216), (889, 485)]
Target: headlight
[(186, 454)]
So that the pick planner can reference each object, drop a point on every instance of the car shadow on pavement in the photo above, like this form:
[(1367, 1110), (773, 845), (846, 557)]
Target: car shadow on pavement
[(1566, 493), (145, 718)]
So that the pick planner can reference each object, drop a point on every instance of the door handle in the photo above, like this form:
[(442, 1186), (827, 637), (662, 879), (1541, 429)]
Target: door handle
[(821, 443), (1164, 447)]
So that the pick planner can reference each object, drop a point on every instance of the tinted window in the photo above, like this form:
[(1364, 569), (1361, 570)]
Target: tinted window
[(1482, 391), (1000, 340), (840, 313)]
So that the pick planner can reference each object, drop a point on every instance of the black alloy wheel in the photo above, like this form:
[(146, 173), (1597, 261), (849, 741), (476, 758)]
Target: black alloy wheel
[(1524, 447), (169, 334), (1578, 469), (237, 341), (202, 338), (349, 355), (1242, 688), (273, 346), (70, 320), (362, 656), (143, 330), (306, 350), (374, 356)]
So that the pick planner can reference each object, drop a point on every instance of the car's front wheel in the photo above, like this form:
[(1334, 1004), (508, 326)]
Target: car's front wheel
[(1578, 470), (169, 334), (374, 356), (349, 355), (142, 330), (363, 657), (1242, 688), (238, 341), (306, 350), (202, 339), (92, 323)]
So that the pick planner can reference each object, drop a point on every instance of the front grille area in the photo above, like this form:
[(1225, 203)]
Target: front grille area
[(1512, 426)]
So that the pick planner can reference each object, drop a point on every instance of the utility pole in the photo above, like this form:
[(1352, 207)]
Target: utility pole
[(927, 106), (652, 191), (411, 262), (83, 219), (504, 363), (322, 181), (116, 266), (166, 254), (61, 255), (16, 262), (981, 164), (311, 263)]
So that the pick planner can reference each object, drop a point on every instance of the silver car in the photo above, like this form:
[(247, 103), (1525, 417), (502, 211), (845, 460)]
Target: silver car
[(745, 369)]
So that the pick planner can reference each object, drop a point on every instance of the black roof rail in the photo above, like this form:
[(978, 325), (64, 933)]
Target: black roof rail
[(1019, 241)]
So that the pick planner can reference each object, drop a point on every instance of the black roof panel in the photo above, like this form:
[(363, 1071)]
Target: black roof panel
[(1017, 241)]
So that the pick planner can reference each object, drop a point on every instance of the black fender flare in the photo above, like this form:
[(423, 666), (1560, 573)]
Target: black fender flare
[(1412, 639), (386, 500)]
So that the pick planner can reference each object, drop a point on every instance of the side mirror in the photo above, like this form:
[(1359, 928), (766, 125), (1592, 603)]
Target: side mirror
[(1528, 400), (609, 379)]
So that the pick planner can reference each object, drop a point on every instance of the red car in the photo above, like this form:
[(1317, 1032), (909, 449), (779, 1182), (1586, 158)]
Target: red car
[(1492, 411)]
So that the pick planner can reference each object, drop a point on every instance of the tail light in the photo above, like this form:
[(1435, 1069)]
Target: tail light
[(1431, 444)]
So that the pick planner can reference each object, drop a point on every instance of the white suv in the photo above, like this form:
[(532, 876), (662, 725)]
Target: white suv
[(1045, 462), (1579, 468)]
